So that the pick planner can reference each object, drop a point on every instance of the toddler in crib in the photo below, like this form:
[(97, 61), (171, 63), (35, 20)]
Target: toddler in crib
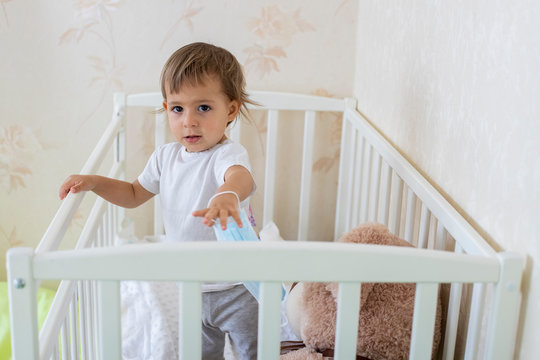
[(201, 177)]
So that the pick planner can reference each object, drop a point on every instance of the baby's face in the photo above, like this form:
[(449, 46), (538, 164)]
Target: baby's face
[(198, 115)]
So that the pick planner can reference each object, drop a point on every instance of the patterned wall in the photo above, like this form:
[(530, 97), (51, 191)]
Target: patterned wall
[(62, 60)]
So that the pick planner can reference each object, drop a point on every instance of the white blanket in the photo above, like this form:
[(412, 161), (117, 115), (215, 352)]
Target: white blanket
[(150, 313)]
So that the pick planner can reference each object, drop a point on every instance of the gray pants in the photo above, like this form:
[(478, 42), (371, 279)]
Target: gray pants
[(234, 312)]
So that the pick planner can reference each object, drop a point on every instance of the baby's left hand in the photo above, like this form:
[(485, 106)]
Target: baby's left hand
[(221, 207)]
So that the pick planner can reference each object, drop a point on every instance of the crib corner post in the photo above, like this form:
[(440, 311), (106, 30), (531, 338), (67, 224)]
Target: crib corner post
[(504, 312), (22, 304)]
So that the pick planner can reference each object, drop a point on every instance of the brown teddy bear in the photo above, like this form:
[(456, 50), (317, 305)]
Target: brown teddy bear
[(386, 311)]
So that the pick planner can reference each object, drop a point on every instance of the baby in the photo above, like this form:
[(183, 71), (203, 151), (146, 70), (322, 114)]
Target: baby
[(200, 178)]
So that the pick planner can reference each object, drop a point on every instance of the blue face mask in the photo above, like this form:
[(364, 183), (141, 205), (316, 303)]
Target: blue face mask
[(244, 233)]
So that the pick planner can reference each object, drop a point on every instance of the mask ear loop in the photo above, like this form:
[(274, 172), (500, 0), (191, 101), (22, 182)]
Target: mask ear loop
[(222, 193)]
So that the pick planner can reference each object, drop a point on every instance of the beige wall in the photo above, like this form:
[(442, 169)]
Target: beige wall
[(62, 60), (455, 85)]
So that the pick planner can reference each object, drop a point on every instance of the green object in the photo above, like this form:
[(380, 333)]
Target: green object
[(44, 301)]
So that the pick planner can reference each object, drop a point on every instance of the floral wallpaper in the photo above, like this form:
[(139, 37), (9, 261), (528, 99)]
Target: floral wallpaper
[(62, 61)]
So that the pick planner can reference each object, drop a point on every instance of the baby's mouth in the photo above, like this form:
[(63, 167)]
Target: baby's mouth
[(192, 138)]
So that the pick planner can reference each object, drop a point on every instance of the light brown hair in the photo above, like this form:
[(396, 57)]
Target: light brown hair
[(194, 63)]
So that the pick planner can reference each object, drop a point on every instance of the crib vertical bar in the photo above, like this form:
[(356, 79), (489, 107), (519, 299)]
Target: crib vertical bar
[(410, 215), (89, 319), (83, 322), (475, 320), (269, 321), (270, 170), (425, 307), (354, 214), (64, 339), (110, 226), (120, 146), (504, 314), (366, 177), (343, 194), (348, 306), (396, 204), (424, 227), (307, 164), (110, 340), (22, 304), (189, 331), (452, 318), (440, 236), (236, 130), (56, 354), (74, 327), (159, 139), (386, 183), (375, 186)]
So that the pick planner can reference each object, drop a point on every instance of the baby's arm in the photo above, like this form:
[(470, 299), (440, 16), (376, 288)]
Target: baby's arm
[(118, 192), (237, 179)]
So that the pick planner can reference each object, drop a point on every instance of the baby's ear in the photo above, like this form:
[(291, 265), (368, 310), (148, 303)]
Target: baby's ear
[(234, 109), (164, 105)]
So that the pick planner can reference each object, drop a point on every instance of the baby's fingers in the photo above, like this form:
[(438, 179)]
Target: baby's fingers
[(236, 217)]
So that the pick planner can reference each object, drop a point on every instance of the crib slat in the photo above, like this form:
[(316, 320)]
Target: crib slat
[(347, 320), (307, 164), (269, 321), (357, 180), (343, 195), (366, 178), (410, 215), (425, 306), (81, 291), (189, 331), (159, 139), (270, 170), (64, 339), (236, 130), (386, 188), (452, 318), (109, 320), (396, 203), (424, 227), (475, 320), (74, 327), (375, 183)]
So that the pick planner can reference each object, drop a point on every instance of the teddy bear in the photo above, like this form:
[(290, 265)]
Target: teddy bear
[(386, 311)]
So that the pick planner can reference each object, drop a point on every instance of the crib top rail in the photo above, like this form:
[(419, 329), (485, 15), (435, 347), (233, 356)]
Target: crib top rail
[(298, 261)]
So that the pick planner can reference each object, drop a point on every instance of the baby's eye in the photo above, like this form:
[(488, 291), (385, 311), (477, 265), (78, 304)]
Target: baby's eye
[(204, 108), (177, 109)]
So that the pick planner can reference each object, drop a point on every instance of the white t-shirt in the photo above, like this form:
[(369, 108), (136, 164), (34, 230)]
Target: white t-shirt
[(185, 181)]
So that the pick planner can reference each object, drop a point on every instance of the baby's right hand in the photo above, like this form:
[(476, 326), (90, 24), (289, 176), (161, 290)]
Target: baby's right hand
[(75, 184)]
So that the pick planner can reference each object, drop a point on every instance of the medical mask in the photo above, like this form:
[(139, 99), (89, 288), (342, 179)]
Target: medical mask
[(244, 233)]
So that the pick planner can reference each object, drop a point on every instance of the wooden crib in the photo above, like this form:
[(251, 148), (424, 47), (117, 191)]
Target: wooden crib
[(376, 183)]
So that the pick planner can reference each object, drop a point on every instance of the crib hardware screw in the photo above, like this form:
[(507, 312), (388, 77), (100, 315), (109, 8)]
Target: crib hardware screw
[(19, 283)]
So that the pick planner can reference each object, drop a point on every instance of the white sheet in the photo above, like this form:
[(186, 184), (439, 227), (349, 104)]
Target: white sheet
[(150, 312)]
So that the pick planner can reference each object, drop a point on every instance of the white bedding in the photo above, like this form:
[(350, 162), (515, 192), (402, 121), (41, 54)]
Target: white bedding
[(150, 313)]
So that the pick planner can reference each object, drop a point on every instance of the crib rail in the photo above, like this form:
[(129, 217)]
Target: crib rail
[(386, 188), (376, 183), (348, 264)]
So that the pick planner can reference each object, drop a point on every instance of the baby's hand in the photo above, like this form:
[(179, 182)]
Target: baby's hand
[(75, 184), (221, 206)]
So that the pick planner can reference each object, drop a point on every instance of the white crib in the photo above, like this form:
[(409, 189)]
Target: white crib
[(375, 183)]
